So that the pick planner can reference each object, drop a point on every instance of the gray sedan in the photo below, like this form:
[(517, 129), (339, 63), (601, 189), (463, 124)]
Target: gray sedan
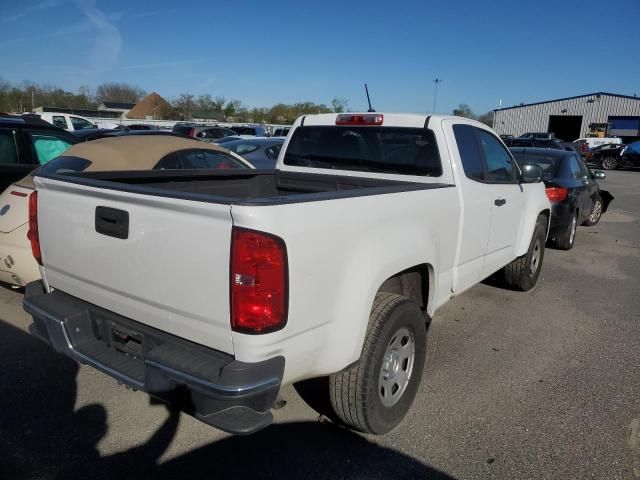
[(262, 152)]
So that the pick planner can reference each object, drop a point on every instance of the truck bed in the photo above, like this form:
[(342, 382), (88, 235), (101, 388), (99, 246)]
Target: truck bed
[(255, 187)]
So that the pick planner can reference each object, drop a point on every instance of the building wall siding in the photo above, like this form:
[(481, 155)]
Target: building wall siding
[(535, 118)]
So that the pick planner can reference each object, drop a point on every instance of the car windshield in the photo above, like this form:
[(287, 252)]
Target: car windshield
[(548, 163), (407, 151)]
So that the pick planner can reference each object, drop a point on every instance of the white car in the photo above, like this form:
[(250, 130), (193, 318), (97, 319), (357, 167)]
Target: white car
[(67, 121), (228, 286), (131, 153)]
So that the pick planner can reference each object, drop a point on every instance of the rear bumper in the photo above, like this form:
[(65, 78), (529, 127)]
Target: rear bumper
[(210, 385)]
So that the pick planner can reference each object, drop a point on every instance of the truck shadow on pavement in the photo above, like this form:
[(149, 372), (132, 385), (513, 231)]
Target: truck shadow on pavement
[(42, 437)]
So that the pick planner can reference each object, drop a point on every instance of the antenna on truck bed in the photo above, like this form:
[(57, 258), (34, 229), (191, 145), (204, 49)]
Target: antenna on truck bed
[(366, 89)]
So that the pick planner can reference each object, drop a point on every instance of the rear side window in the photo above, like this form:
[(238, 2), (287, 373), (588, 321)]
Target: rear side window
[(246, 148), (578, 169), (48, 147), (60, 122), (182, 130), (8, 148), (195, 159), (407, 151), (273, 152), (80, 123), (469, 151), (170, 162)]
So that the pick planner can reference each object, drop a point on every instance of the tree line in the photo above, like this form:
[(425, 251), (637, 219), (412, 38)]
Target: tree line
[(464, 110), (26, 96)]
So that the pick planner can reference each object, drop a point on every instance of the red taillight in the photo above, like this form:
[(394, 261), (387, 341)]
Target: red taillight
[(18, 194), (192, 132), (32, 234), (259, 284), (359, 119), (556, 194)]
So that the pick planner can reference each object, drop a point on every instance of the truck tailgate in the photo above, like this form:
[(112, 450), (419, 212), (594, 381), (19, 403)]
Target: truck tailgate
[(171, 271)]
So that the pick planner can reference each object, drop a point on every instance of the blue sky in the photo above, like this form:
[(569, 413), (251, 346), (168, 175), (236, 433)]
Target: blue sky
[(286, 51)]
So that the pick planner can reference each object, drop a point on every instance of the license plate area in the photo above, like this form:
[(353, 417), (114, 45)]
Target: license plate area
[(126, 340)]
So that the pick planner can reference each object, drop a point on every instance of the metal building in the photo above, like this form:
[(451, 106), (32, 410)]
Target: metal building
[(570, 118)]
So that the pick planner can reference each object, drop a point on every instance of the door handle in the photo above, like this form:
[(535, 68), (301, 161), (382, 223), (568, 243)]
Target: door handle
[(500, 201), (112, 222)]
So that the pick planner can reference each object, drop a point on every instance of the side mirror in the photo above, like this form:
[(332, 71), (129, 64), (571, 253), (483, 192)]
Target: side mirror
[(599, 175), (531, 173)]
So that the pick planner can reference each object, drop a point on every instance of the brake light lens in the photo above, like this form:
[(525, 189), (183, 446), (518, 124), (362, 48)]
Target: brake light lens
[(557, 194), (359, 119), (32, 233), (192, 132), (259, 282)]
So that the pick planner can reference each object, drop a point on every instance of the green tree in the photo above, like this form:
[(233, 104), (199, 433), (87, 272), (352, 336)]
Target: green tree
[(339, 104), (464, 110), (487, 118), (118, 92)]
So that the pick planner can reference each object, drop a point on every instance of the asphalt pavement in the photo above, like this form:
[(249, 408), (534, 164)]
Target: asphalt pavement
[(543, 384)]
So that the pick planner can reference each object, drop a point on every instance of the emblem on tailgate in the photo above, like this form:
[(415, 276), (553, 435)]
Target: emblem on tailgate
[(4, 209)]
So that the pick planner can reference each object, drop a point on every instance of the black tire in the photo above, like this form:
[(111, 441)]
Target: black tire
[(567, 239), (520, 274), (356, 393), (596, 213), (610, 163)]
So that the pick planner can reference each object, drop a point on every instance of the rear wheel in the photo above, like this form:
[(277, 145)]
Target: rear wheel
[(522, 274), (596, 213), (610, 163), (565, 240), (375, 394)]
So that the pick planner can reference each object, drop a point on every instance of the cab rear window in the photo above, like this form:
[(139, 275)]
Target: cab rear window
[(394, 150)]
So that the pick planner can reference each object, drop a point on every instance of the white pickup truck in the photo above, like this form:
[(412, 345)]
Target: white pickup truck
[(214, 289)]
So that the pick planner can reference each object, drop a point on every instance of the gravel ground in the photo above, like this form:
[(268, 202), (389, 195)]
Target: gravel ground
[(543, 384)]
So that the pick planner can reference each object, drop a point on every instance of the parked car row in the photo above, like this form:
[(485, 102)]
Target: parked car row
[(615, 156)]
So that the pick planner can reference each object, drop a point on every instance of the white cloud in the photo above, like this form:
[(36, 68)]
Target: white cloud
[(107, 41), (32, 9)]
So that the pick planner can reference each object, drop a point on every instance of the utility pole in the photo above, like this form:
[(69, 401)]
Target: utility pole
[(435, 92)]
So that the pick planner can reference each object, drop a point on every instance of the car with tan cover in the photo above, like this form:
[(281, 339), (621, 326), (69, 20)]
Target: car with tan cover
[(139, 153)]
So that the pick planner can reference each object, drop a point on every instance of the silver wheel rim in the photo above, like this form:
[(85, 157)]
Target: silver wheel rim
[(609, 163), (397, 366), (535, 257), (597, 211), (572, 233)]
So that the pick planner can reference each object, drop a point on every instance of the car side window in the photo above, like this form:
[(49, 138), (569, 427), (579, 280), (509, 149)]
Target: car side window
[(169, 162), (576, 170), (499, 164), (208, 159), (469, 151), (273, 152), (48, 146), (60, 121), (80, 123), (246, 148), (8, 147)]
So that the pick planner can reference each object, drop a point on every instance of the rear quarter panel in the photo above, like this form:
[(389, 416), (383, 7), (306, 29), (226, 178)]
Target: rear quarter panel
[(340, 252)]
